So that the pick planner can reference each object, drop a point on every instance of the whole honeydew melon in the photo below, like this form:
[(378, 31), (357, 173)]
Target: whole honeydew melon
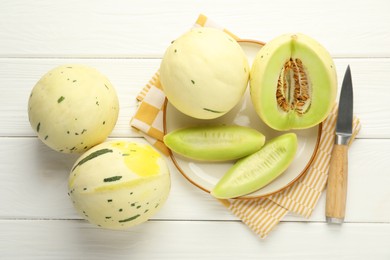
[(72, 108), (119, 184), (204, 73)]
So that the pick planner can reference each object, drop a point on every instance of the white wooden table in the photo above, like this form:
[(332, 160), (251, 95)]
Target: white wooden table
[(125, 40)]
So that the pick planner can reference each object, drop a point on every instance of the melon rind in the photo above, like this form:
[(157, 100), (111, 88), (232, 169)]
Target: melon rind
[(119, 184), (264, 77), (72, 108), (204, 73)]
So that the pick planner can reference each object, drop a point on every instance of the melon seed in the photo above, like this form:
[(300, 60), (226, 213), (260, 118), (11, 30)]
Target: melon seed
[(294, 88)]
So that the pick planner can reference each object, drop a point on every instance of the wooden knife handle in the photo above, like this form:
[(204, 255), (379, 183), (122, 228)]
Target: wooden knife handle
[(336, 194)]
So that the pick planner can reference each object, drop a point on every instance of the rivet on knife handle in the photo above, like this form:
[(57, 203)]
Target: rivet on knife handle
[(337, 185)]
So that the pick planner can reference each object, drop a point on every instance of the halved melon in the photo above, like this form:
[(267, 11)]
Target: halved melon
[(293, 82)]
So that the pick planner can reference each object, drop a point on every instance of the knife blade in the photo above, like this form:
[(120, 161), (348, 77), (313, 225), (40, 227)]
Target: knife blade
[(336, 194)]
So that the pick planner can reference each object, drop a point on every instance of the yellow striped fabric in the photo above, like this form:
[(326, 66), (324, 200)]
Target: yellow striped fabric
[(203, 21), (260, 215), (302, 196), (148, 118)]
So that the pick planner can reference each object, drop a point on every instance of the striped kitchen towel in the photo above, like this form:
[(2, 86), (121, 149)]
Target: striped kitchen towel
[(262, 214)]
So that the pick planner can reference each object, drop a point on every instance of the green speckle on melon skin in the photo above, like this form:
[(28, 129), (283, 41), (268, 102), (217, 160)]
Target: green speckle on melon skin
[(213, 111), (129, 219), (60, 99), (113, 178), (92, 156)]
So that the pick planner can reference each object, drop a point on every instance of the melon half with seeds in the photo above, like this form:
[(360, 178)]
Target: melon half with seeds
[(293, 82), (204, 73), (119, 184)]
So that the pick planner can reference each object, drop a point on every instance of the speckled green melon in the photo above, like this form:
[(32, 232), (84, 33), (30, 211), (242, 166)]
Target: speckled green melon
[(72, 108), (119, 184), (204, 73)]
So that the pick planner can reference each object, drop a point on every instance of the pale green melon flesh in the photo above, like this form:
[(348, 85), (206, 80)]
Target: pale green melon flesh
[(215, 143), (259, 169), (264, 79)]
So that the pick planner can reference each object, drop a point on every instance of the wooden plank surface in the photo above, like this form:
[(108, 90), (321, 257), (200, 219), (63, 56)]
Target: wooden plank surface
[(145, 28), (370, 79), (192, 240), (126, 40), (37, 188)]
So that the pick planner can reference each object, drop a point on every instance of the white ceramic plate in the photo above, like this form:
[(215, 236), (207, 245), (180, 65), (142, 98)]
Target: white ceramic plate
[(205, 175)]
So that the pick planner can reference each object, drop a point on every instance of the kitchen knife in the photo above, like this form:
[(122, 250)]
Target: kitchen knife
[(336, 194)]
